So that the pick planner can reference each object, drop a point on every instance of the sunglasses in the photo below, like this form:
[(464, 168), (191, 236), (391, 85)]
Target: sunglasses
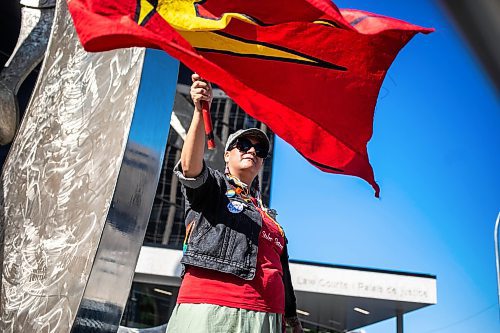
[(244, 145)]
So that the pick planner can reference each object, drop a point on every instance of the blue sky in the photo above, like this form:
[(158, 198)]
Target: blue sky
[(436, 155)]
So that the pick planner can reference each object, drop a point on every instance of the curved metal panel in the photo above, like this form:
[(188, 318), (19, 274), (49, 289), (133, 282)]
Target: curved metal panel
[(28, 53), (59, 178), (113, 271)]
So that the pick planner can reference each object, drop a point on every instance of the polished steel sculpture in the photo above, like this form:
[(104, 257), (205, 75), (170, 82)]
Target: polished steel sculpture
[(78, 184), (36, 22)]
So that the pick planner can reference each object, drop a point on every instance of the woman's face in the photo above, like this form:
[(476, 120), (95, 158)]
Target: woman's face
[(246, 162)]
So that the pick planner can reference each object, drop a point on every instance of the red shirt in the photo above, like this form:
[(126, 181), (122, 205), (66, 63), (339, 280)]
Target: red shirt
[(265, 292)]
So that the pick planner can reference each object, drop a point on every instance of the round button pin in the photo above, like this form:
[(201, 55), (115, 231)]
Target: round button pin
[(230, 193), (235, 207)]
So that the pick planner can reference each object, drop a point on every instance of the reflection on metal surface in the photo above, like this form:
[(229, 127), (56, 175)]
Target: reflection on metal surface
[(38, 3), (59, 178), (157, 329), (29, 51), (109, 283)]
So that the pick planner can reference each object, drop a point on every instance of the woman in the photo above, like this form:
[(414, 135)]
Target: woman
[(235, 263)]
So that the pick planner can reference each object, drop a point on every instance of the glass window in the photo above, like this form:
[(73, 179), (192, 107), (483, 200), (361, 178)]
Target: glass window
[(149, 305)]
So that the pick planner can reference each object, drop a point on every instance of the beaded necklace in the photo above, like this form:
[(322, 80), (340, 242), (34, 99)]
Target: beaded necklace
[(243, 191)]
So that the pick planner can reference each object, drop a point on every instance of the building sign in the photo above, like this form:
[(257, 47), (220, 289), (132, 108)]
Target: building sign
[(368, 284)]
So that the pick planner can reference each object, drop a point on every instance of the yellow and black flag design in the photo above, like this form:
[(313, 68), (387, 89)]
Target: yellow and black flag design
[(308, 70)]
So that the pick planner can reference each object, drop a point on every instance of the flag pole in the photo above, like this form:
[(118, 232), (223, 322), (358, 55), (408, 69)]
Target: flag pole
[(207, 120)]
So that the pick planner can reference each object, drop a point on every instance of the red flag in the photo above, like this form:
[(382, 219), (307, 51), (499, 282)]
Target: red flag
[(309, 71)]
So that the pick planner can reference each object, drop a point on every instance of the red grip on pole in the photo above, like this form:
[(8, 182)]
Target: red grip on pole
[(207, 120)]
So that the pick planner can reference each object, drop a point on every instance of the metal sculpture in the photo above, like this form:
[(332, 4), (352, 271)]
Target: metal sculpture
[(36, 21), (78, 184)]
